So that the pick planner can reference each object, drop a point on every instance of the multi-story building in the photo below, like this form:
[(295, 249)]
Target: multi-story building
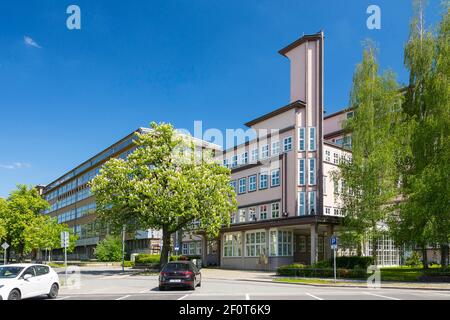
[(72, 202), (288, 203)]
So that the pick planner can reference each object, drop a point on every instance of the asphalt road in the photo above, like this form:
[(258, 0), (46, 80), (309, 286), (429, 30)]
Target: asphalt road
[(114, 285)]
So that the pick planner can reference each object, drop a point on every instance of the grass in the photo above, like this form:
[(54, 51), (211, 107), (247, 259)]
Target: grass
[(307, 281)]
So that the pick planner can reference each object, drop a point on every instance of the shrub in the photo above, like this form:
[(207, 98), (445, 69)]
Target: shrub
[(299, 270), (128, 264), (414, 260), (109, 249), (147, 258), (354, 262)]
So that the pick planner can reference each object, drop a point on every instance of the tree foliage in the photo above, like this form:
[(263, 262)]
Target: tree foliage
[(109, 249), (167, 184), (369, 176), (424, 217)]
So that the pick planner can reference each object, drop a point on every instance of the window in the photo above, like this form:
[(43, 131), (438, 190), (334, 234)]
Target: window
[(312, 138), (327, 155), (275, 175), (327, 210), (301, 203), (252, 214), (232, 245), (199, 248), (242, 215), (41, 270), (325, 185), (225, 163), (255, 244), (234, 161), (302, 243), (263, 212), (233, 218), (252, 183), (287, 144), (191, 248), (335, 158), (312, 171), (244, 158), (280, 243), (242, 185), (255, 155), (312, 202), (233, 185), (350, 115), (275, 148), (275, 210), (301, 172), (265, 151), (184, 248), (336, 211), (263, 177), (301, 139)]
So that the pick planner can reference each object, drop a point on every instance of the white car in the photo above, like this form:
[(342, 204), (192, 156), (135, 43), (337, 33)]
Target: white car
[(19, 281)]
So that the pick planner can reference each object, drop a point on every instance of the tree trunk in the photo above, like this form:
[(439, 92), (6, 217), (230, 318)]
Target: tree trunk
[(374, 250), (166, 247), (359, 249), (424, 257), (444, 255)]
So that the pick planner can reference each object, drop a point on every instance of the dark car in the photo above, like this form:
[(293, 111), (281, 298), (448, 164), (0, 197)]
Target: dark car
[(179, 274)]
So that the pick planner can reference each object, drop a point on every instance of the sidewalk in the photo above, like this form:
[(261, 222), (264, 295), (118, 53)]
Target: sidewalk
[(262, 276)]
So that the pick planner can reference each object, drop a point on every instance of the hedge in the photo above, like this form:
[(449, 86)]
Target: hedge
[(298, 270), (354, 262)]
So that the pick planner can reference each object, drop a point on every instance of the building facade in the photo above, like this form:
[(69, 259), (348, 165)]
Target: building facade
[(72, 203), (288, 200)]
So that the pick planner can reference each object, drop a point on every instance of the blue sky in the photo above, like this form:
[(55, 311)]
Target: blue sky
[(65, 95)]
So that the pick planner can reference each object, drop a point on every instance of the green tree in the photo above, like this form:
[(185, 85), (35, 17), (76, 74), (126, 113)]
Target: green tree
[(369, 177), (22, 207), (425, 214), (166, 184), (3, 232), (109, 249)]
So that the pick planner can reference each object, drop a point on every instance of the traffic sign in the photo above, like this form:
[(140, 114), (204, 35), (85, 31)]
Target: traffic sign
[(177, 248), (333, 242), (5, 246), (64, 239)]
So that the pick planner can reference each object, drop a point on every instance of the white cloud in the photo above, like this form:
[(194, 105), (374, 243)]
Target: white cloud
[(30, 42), (15, 165)]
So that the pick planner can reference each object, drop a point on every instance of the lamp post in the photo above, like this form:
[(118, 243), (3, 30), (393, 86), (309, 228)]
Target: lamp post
[(123, 248)]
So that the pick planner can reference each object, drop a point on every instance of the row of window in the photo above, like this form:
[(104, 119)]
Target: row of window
[(302, 139), (336, 157), (191, 248), (80, 195), (243, 186), (336, 211), (256, 155), (261, 212), (311, 171), (77, 213), (280, 244)]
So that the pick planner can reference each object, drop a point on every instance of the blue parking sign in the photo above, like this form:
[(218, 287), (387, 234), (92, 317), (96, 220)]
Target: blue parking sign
[(333, 242)]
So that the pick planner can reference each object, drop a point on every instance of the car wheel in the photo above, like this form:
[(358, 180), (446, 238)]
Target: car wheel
[(14, 295), (53, 291)]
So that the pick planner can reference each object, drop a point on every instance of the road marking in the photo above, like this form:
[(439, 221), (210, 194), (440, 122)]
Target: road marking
[(186, 295), (62, 298), (247, 296), (144, 291), (315, 297), (381, 296), (124, 297)]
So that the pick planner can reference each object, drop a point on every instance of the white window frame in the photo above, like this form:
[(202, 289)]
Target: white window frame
[(275, 174), (242, 215), (274, 246), (252, 186), (312, 202), (252, 245), (312, 171), (312, 139), (261, 180), (277, 209), (244, 158), (255, 155), (301, 203), (275, 148), (301, 172), (265, 151), (235, 245), (301, 139), (242, 185), (287, 144), (265, 212)]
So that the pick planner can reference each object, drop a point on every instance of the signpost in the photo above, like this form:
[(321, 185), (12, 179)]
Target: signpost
[(65, 244), (5, 246), (333, 242), (123, 248)]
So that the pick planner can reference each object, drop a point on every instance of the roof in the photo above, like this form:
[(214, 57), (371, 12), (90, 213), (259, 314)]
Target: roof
[(296, 43), (295, 104)]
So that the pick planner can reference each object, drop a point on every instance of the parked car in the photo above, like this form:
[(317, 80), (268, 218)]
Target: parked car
[(19, 281), (180, 274)]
